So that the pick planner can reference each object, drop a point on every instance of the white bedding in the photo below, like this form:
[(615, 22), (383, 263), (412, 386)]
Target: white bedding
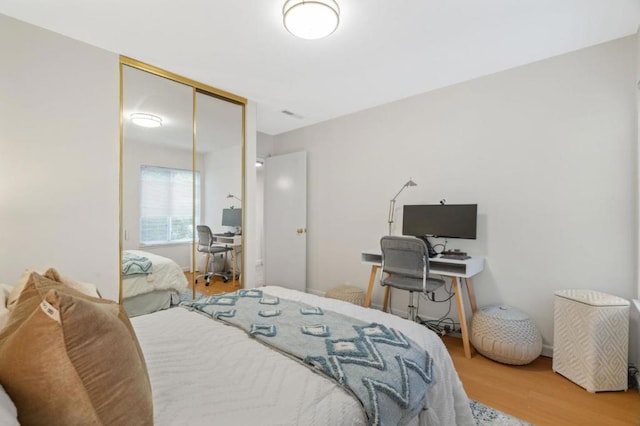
[(203, 372), (166, 275)]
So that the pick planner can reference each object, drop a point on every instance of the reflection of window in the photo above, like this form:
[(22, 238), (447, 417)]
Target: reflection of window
[(166, 210)]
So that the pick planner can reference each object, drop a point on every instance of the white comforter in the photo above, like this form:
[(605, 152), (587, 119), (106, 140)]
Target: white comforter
[(203, 372), (166, 275)]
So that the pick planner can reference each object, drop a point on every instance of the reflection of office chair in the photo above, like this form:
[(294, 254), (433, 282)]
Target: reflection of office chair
[(406, 261), (205, 245)]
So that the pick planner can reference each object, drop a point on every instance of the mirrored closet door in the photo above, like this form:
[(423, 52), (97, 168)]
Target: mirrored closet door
[(182, 185)]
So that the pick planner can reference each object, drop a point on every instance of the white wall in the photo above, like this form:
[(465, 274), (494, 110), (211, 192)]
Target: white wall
[(634, 326), (250, 249), (547, 151), (224, 176), (264, 149), (59, 111), (59, 158)]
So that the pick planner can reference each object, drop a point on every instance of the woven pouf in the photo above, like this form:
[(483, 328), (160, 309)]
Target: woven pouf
[(506, 335), (348, 293)]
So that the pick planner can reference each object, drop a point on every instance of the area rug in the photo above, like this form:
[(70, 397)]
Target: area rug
[(485, 415), (186, 295)]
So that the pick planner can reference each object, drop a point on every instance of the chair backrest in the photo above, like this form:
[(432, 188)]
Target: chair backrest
[(205, 237), (405, 256)]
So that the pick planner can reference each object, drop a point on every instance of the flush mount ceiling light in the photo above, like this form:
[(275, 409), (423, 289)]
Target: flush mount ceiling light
[(145, 120), (311, 20)]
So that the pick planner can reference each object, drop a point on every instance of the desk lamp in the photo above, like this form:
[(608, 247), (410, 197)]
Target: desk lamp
[(230, 195), (392, 203)]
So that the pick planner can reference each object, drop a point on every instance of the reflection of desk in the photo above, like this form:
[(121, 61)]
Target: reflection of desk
[(446, 267), (233, 242)]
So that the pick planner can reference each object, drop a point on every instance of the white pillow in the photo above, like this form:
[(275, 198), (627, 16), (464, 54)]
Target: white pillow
[(84, 288), (5, 290), (17, 289), (8, 411)]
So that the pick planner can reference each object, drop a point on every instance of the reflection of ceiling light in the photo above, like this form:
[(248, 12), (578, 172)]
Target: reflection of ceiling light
[(312, 19), (145, 120), (284, 183)]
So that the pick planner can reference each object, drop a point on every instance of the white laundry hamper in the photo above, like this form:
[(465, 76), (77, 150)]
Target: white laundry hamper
[(591, 339)]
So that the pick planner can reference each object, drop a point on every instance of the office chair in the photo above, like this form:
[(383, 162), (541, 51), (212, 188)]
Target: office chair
[(205, 245), (405, 260)]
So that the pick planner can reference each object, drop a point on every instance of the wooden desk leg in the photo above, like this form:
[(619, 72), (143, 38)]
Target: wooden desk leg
[(462, 316), (372, 280), (472, 295), (239, 282), (233, 268), (385, 302)]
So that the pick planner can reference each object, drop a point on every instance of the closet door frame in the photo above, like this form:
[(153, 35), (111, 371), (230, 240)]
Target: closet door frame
[(196, 87)]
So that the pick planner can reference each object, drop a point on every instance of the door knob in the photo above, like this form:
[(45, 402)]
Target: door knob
[(300, 230)]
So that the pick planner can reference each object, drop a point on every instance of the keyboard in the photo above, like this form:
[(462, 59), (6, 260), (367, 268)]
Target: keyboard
[(225, 234)]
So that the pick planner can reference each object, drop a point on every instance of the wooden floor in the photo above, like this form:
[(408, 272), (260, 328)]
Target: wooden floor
[(216, 285), (536, 394)]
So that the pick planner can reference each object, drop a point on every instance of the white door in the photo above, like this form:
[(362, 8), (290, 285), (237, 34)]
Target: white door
[(285, 220)]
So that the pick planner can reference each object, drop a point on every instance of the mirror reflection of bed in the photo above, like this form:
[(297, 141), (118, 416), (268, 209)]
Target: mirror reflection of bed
[(152, 282), (168, 188)]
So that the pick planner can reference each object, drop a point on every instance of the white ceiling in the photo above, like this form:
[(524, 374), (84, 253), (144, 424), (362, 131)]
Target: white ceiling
[(384, 50)]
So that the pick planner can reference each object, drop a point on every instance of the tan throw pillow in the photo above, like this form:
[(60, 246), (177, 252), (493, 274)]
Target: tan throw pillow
[(69, 359)]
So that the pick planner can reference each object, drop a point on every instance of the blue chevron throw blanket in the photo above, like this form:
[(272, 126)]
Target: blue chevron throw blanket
[(385, 370), (135, 265)]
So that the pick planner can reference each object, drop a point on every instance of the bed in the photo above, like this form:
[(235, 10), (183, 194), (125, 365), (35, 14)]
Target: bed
[(152, 286), (202, 370), (180, 367)]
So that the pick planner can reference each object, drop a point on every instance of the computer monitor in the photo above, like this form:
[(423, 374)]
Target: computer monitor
[(440, 220), (232, 217)]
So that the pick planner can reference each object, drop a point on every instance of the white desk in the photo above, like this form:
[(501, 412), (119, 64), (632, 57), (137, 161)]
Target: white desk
[(453, 268), (233, 242)]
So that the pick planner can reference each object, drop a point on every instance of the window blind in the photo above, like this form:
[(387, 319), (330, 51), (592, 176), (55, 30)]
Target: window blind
[(166, 202)]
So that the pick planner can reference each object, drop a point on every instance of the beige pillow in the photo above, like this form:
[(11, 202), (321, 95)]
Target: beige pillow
[(84, 288), (17, 289), (5, 290), (51, 273), (69, 359)]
